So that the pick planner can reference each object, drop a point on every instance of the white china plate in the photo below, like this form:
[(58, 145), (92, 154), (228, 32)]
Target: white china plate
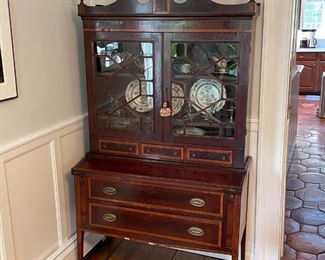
[(177, 98), (180, 1), (142, 103), (137, 100), (205, 92)]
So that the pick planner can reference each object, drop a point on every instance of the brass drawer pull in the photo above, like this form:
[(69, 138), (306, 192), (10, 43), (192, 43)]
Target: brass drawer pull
[(109, 217), (195, 231), (109, 191), (196, 202)]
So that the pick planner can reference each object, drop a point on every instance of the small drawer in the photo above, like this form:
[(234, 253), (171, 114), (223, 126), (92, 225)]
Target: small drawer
[(158, 196), (114, 147), (159, 226), (158, 151), (222, 157), (322, 56), (307, 56)]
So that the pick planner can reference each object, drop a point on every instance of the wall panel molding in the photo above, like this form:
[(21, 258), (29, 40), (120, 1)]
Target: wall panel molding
[(46, 143), (56, 193), (30, 197)]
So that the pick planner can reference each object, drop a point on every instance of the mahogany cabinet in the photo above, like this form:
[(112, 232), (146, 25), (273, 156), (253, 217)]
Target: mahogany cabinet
[(314, 63), (167, 85)]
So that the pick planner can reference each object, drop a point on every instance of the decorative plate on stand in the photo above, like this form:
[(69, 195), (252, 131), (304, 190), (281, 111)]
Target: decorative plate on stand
[(143, 101), (208, 95), (177, 98), (138, 98)]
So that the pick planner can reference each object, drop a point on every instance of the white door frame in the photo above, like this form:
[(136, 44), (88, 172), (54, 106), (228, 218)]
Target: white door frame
[(272, 141)]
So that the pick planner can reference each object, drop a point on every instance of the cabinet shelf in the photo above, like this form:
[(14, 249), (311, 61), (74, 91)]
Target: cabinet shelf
[(122, 75)]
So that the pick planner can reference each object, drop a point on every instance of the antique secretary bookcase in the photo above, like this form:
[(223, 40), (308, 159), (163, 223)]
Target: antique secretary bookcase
[(167, 84)]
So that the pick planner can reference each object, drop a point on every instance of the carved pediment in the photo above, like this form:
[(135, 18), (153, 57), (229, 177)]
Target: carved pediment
[(109, 2), (167, 8)]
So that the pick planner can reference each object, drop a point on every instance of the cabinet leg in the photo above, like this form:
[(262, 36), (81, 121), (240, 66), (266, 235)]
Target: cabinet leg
[(80, 244), (243, 245), (234, 257)]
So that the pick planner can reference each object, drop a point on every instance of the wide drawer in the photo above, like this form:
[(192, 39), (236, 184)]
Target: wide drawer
[(159, 196), (307, 56), (133, 222), (210, 156)]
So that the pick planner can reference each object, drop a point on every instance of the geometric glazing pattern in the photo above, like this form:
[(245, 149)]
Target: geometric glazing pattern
[(125, 85), (207, 74)]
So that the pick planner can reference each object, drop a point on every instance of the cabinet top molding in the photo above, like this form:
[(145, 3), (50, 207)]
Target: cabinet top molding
[(168, 8)]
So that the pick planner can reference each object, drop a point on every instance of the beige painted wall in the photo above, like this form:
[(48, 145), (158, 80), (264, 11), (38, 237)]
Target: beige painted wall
[(48, 49)]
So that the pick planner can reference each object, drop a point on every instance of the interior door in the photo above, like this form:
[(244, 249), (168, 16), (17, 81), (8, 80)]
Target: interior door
[(204, 88), (126, 83)]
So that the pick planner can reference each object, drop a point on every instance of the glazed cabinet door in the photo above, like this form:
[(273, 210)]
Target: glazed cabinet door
[(206, 86), (124, 84)]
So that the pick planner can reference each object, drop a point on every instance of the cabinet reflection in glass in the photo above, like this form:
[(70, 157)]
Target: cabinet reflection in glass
[(125, 85)]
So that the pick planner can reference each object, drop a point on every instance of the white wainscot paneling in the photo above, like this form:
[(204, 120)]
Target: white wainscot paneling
[(73, 147), (31, 198), (37, 216)]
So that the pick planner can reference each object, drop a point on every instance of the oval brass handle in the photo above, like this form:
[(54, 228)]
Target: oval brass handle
[(195, 231), (109, 191), (109, 217), (197, 202)]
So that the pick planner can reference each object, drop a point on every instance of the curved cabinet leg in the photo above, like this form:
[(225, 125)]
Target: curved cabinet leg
[(80, 244)]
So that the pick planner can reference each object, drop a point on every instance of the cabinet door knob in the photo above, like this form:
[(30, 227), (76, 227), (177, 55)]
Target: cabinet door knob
[(110, 191), (109, 217), (195, 231), (197, 202)]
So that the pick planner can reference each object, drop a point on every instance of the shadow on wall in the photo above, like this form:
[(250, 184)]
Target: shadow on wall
[(1, 70)]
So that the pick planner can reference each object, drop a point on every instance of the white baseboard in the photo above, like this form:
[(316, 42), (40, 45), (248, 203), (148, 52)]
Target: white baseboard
[(68, 251)]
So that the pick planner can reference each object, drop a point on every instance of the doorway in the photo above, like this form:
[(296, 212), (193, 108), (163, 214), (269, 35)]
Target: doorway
[(305, 189)]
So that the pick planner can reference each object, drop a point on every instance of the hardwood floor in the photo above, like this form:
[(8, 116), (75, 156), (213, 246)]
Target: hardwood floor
[(117, 249), (305, 200)]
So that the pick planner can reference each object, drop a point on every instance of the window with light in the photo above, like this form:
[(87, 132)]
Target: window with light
[(313, 16)]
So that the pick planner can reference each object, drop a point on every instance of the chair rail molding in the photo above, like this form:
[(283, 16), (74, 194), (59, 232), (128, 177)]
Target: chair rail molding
[(36, 191)]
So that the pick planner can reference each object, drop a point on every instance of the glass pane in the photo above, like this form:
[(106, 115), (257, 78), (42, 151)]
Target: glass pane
[(204, 88), (312, 14), (125, 86)]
